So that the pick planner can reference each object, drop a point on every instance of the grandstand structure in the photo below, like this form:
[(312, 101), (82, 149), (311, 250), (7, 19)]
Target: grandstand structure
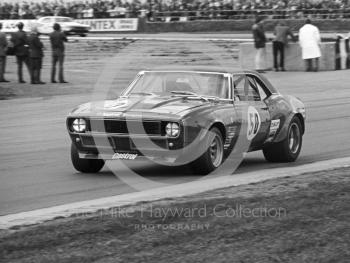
[(177, 10)]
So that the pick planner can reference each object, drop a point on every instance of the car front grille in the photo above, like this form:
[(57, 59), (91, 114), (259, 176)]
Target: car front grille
[(125, 127), (122, 144)]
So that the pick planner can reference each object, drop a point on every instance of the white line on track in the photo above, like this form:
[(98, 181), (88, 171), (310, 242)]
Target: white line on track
[(41, 215)]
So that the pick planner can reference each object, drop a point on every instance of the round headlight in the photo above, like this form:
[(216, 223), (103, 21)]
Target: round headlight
[(79, 125), (172, 129)]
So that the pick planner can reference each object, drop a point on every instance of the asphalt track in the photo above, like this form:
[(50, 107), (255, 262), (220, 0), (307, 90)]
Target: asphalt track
[(35, 168)]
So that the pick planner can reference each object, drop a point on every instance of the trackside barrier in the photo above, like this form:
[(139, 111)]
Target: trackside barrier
[(97, 25), (342, 52), (10, 26), (111, 24), (293, 59)]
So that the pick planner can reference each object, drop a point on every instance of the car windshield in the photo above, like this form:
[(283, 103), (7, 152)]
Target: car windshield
[(63, 19), (181, 84)]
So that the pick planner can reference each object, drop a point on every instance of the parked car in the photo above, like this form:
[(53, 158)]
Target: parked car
[(68, 25)]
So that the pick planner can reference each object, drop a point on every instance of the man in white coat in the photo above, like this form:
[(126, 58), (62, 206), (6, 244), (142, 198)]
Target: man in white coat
[(310, 40)]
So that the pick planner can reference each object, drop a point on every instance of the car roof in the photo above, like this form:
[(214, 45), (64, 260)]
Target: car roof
[(214, 69), (54, 17), (209, 69), (203, 69)]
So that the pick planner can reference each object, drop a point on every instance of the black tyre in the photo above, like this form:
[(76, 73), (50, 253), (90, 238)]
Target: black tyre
[(214, 154), (83, 35), (287, 150), (85, 165)]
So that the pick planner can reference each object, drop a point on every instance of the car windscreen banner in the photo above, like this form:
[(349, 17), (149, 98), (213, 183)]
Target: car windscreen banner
[(110, 24)]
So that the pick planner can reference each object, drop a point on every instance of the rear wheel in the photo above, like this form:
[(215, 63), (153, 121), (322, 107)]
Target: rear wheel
[(85, 165), (214, 154), (287, 150)]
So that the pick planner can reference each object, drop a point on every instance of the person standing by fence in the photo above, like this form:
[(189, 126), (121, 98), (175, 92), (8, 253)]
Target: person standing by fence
[(20, 45), (259, 41), (57, 39), (310, 40), (3, 50), (36, 55), (280, 42)]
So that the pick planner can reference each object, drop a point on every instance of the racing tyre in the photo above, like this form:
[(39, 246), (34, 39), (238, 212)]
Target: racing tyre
[(287, 150), (85, 165), (213, 156)]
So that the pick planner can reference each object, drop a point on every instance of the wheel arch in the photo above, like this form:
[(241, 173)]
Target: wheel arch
[(302, 121), (282, 133), (221, 127)]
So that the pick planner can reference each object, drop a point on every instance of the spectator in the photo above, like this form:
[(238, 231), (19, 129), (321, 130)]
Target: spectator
[(36, 55), (281, 33), (20, 44), (57, 39), (310, 40), (3, 50), (259, 42), (88, 12)]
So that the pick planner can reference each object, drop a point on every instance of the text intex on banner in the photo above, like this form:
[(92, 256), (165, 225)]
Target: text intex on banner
[(121, 24)]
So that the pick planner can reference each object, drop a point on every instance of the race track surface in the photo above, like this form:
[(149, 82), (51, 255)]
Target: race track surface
[(35, 168)]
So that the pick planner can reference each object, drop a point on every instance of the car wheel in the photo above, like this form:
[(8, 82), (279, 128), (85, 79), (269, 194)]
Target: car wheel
[(287, 150), (83, 35), (85, 165), (214, 154)]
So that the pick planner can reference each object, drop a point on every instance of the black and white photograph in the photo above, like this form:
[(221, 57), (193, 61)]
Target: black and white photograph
[(175, 131)]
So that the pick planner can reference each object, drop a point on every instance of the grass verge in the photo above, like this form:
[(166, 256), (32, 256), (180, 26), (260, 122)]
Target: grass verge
[(297, 219)]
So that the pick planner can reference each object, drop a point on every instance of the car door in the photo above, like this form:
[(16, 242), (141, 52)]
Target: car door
[(254, 112)]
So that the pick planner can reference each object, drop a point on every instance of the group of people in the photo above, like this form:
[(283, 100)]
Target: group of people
[(74, 9), (29, 51), (309, 40), (242, 9), (159, 10)]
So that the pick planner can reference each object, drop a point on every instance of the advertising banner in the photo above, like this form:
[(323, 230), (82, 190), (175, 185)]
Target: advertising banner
[(111, 24), (10, 26), (97, 25)]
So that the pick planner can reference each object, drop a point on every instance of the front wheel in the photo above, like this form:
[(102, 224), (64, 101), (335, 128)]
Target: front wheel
[(85, 165), (213, 155), (287, 150)]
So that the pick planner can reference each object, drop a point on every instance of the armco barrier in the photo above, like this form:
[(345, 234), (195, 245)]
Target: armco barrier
[(342, 52), (329, 25), (293, 60)]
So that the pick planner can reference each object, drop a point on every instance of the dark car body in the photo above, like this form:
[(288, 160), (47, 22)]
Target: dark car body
[(137, 123)]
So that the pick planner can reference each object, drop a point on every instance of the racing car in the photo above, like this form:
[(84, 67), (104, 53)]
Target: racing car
[(68, 25), (193, 117)]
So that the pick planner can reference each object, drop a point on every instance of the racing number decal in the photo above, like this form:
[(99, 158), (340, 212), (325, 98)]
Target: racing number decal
[(254, 122)]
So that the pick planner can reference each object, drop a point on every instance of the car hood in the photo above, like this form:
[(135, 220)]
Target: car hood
[(151, 105)]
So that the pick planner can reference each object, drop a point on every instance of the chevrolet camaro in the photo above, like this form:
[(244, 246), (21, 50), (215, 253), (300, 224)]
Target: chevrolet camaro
[(187, 117)]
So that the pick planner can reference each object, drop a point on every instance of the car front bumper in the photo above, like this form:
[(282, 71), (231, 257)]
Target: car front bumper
[(112, 147)]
